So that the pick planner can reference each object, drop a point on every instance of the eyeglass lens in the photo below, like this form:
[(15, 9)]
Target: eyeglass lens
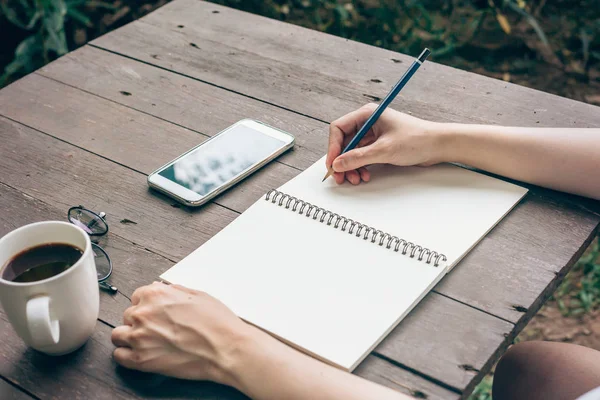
[(103, 264), (88, 221)]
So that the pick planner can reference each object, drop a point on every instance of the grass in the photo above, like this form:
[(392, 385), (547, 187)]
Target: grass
[(580, 291)]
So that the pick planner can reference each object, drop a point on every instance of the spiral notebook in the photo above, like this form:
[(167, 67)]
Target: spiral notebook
[(330, 269)]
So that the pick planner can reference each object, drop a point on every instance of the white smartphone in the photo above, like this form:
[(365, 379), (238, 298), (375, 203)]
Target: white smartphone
[(220, 162)]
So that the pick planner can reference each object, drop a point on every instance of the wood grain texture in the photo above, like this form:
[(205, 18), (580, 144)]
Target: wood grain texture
[(207, 110), (125, 136), (135, 266), (327, 75), (307, 72), (17, 157), (10, 392), (91, 372), (440, 330), (380, 371), (481, 280), (63, 175), (129, 260)]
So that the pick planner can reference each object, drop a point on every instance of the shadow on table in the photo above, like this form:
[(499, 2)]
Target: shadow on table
[(91, 372), (158, 386)]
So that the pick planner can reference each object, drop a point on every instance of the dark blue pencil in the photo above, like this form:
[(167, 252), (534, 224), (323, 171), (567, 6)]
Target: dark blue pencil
[(386, 102)]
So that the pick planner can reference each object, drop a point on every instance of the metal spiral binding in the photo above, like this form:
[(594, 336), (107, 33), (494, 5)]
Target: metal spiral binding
[(354, 227)]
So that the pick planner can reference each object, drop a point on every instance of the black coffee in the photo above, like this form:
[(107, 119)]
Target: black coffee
[(41, 262)]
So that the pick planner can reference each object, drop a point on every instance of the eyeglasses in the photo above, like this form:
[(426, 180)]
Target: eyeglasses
[(95, 225)]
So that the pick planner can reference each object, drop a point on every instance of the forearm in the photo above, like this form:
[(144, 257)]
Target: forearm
[(264, 369), (558, 158)]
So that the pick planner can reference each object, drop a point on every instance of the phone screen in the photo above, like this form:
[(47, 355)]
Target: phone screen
[(221, 159)]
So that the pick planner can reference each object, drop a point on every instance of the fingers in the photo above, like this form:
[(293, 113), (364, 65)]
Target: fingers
[(350, 123), (143, 291), (127, 315), (125, 357), (365, 175), (137, 295), (120, 336), (357, 158), (353, 177), (336, 139), (347, 125)]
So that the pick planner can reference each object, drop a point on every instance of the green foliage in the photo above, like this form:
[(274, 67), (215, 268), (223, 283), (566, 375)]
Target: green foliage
[(483, 391), (45, 19), (406, 26), (447, 27), (577, 296)]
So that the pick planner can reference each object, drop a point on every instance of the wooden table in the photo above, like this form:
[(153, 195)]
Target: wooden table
[(89, 127)]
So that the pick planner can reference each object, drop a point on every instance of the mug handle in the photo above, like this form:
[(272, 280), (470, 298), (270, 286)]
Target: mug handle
[(43, 330)]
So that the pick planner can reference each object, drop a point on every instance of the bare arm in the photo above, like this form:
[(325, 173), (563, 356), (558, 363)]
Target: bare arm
[(566, 159), (294, 376), (179, 332)]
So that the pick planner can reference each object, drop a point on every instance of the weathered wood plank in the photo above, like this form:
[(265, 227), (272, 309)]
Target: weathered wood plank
[(130, 261), (533, 231), (139, 141), (22, 147), (329, 76), (207, 109), (519, 260), (263, 59), (439, 329), (134, 267), (63, 175), (10, 392), (380, 371), (91, 372)]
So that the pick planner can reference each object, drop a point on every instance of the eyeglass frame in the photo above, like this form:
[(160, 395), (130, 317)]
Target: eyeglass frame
[(101, 282)]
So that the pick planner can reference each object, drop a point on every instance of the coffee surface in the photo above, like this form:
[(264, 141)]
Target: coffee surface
[(41, 262)]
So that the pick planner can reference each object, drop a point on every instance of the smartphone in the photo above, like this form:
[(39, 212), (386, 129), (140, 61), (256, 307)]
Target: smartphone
[(220, 162)]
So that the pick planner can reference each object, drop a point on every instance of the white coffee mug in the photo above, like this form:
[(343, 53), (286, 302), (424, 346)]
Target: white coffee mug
[(56, 315)]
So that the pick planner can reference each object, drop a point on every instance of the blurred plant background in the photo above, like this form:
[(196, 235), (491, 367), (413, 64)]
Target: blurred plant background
[(550, 45)]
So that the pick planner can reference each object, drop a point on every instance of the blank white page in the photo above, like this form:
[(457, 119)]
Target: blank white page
[(444, 207), (327, 292)]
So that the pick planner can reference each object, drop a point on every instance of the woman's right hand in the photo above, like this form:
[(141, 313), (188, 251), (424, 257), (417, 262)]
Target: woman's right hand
[(396, 138)]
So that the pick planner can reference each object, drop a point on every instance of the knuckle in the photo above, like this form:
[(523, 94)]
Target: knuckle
[(141, 313), (137, 357), (152, 291), (114, 335), (333, 127), (136, 337)]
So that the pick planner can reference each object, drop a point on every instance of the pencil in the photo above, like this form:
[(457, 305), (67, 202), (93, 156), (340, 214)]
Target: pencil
[(386, 102)]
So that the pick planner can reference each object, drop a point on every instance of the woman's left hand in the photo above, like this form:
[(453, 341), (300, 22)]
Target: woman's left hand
[(175, 331)]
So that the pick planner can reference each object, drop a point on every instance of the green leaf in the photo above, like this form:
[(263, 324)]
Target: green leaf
[(561, 306), (534, 24), (79, 17), (11, 15), (27, 58), (578, 311), (342, 12)]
